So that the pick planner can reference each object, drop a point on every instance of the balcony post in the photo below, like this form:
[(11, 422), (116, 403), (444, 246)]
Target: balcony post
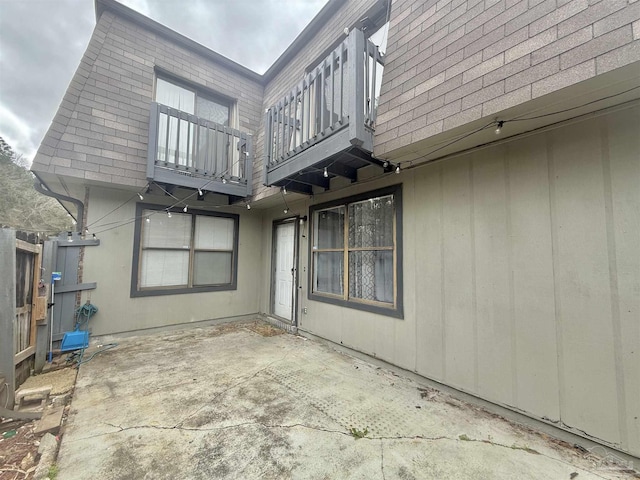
[(268, 145), (152, 146), (356, 86), (248, 164)]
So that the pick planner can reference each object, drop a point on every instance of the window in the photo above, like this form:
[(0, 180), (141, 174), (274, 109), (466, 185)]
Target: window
[(185, 141), (192, 101), (183, 252), (356, 252)]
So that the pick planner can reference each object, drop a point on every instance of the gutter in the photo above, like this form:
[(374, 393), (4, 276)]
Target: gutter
[(42, 187)]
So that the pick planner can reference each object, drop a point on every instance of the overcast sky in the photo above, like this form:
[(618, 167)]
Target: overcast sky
[(42, 42)]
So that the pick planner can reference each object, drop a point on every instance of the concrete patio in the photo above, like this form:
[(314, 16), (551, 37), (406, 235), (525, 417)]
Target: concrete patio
[(247, 401)]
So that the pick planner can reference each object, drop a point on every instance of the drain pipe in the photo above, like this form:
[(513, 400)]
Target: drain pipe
[(41, 187)]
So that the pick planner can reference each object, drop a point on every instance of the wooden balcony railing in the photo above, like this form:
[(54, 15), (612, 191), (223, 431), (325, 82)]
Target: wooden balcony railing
[(192, 152), (338, 95)]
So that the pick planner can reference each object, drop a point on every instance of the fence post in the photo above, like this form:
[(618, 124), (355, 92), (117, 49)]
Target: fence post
[(49, 252), (7, 314)]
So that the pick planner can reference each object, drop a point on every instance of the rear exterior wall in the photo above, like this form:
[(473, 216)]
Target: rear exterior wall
[(100, 132), (450, 62), (521, 274)]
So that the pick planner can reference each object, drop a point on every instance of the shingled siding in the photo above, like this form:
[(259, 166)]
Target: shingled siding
[(100, 131), (450, 62), (348, 15)]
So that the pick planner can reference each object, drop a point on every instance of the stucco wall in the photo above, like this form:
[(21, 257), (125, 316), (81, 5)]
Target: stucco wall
[(450, 62), (100, 131), (521, 276), (110, 264)]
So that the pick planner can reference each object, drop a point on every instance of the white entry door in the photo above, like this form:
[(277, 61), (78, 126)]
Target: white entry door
[(284, 270)]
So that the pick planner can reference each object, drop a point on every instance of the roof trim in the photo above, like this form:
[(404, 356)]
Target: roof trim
[(307, 34), (111, 5)]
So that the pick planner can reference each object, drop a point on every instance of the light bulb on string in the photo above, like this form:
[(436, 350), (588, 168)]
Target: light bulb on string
[(186, 207), (140, 196), (499, 127), (398, 168), (326, 173)]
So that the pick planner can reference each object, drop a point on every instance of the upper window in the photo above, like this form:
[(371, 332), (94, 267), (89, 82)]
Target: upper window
[(356, 252), (180, 252), (192, 101)]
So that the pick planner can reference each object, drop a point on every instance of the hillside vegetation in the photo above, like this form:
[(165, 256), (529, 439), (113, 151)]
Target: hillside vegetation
[(21, 206)]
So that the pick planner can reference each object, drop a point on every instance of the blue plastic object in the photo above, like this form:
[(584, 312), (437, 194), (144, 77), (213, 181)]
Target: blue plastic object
[(79, 339), (75, 340)]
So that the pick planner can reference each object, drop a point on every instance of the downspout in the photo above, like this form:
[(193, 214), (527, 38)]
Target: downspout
[(41, 187)]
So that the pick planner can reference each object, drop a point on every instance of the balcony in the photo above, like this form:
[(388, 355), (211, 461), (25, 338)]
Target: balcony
[(192, 152), (324, 126)]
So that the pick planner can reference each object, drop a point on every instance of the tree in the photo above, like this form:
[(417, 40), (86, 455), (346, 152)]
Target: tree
[(21, 206)]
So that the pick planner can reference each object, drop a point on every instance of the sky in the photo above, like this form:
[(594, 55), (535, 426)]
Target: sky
[(42, 42)]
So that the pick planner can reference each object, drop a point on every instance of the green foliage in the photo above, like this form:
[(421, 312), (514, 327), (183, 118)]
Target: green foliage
[(358, 434), (21, 206), (53, 472)]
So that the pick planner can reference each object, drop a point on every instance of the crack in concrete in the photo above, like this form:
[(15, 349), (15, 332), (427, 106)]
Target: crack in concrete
[(213, 429), (218, 395), (344, 433)]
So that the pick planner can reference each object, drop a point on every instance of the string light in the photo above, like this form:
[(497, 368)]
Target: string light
[(224, 180), (186, 207), (248, 206), (499, 127), (168, 214), (200, 192), (326, 173), (398, 168), (284, 190), (286, 210), (148, 220), (140, 196), (94, 236)]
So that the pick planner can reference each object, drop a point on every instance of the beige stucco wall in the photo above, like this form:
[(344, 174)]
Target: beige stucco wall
[(110, 263), (521, 276)]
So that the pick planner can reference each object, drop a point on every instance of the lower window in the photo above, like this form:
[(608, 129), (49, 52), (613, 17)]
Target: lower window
[(176, 252), (356, 252)]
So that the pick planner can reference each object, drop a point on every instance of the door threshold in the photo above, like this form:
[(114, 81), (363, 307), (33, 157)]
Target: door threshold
[(281, 323)]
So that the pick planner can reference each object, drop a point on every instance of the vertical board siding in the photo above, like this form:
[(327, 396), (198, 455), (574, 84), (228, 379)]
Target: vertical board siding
[(430, 344), (525, 264), (582, 278), (536, 363), (458, 286), (493, 306), (624, 250)]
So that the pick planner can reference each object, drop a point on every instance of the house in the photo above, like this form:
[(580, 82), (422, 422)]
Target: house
[(475, 222)]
